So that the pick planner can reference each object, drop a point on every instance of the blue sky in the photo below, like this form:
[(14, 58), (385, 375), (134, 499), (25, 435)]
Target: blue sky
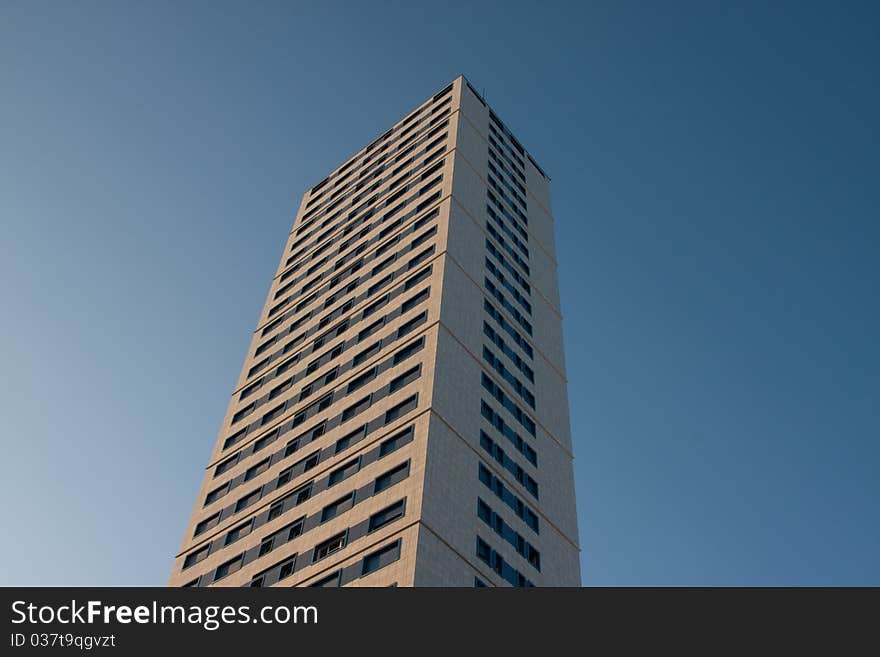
[(715, 189)]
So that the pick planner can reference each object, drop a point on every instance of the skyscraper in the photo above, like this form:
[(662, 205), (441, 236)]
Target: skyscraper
[(401, 417)]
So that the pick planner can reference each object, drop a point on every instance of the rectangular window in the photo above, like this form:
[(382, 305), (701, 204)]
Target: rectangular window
[(387, 515), (409, 350), (341, 505), (231, 566), (388, 479), (366, 353), (361, 380), (216, 494), (343, 472), (381, 558), (226, 465), (254, 470), (248, 499), (328, 547), (238, 532), (356, 408), (404, 379), (194, 557), (400, 409), (343, 443), (395, 442), (412, 324), (330, 581), (372, 328)]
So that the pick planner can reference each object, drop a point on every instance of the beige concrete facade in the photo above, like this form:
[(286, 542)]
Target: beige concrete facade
[(401, 417)]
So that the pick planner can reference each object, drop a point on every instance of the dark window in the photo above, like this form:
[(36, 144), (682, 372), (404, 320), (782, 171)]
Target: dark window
[(228, 568), (400, 409), (396, 441), (404, 379), (361, 380), (356, 408), (247, 500), (387, 515), (341, 505), (328, 547), (381, 557), (207, 523), (254, 470), (239, 532), (343, 472), (194, 557), (366, 353), (408, 350), (388, 479)]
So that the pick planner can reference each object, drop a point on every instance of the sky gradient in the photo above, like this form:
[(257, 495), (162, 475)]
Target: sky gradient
[(715, 189)]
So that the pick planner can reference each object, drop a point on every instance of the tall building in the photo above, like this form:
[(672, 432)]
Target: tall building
[(401, 417)]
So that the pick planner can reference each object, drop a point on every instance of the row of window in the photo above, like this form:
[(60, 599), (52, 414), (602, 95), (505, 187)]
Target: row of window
[(502, 492), (301, 494), (294, 530), (517, 385), (507, 222), (344, 171), (349, 271), (304, 524), (340, 252), (514, 357), (372, 163), (374, 561), (525, 549), (322, 380), (521, 416), (342, 324), (497, 452), (497, 563), (348, 413), (308, 250), (354, 206)]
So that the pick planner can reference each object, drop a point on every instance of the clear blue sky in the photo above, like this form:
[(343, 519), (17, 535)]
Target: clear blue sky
[(716, 193)]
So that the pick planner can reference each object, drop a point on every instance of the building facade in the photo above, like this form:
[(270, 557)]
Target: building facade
[(401, 417)]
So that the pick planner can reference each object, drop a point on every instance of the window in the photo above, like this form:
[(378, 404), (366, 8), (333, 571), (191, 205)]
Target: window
[(361, 380), (341, 505), (404, 379), (396, 441), (328, 547), (309, 462), (292, 446), (216, 494), (286, 569), (207, 523), (388, 479), (226, 465), (234, 438), (275, 510), (366, 353), (412, 302), (356, 408), (244, 412), (387, 515), (400, 409), (343, 443), (418, 278), (194, 557), (303, 494), (408, 350), (254, 470), (238, 532), (295, 528), (228, 568), (266, 546), (343, 472), (373, 307), (411, 325), (372, 328), (265, 440), (248, 499), (381, 558)]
